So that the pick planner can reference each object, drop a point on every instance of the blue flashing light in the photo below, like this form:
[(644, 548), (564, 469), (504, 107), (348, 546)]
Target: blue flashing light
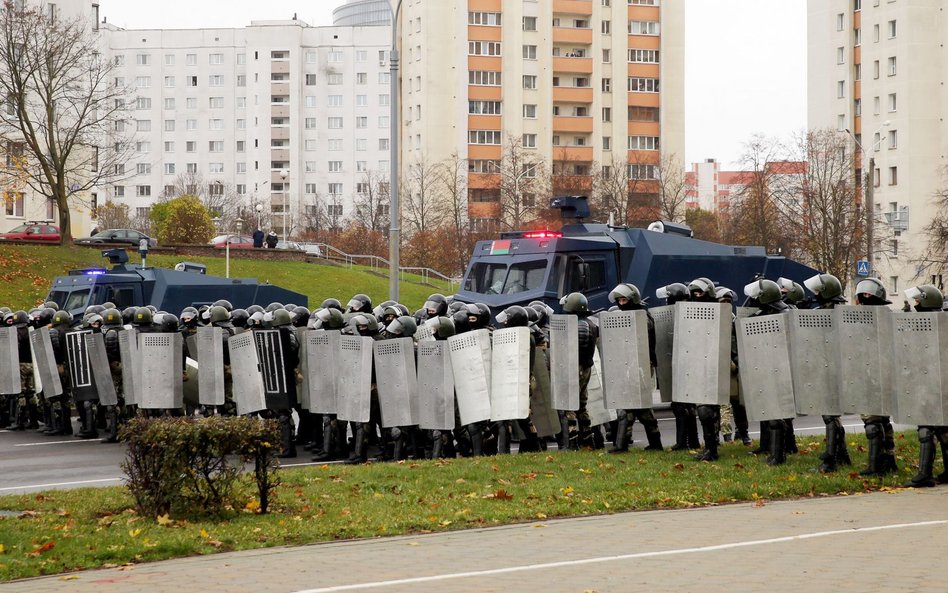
[(95, 272)]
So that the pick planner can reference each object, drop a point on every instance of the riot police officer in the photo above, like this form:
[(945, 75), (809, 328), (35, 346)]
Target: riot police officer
[(61, 406), (112, 325), (360, 303), (686, 415), (627, 297), (279, 406), (517, 316), (22, 408), (576, 304)]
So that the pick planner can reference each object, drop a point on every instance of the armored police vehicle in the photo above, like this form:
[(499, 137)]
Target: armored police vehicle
[(187, 285), (525, 266)]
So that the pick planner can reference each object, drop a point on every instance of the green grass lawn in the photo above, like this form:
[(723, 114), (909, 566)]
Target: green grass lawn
[(27, 271), (64, 531)]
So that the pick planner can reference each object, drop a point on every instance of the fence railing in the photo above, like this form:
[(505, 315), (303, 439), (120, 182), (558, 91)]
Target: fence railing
[(377, 263)]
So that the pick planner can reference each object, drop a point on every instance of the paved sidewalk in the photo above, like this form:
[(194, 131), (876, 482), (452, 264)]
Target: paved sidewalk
[(876, 542)]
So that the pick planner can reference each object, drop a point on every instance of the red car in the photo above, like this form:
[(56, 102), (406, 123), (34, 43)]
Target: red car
[(33, 231), (236, 241)]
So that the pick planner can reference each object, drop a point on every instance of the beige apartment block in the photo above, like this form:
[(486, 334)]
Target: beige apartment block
[(876, 69)]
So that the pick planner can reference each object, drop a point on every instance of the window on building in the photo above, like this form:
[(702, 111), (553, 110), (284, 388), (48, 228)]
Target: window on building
[(484, 137), (606, 27), (893, 102), (529, 140), (142, 191), (529, 23), (892, 28), (529, 52), (841, 89), (893, 139), (529, 111), (484, 107), (643, 28), (840, 21), (892, 66), (143, 59), (335, 166), (840, 55), (529, 81)]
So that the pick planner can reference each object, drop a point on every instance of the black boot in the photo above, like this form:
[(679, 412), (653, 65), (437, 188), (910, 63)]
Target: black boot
[(111, 435), (562, 438), (65, 415), (926, 460), (398, 439), (778, 451), (47, 418), (842, 450), (503, 438), (621, 442), (829, 464), (88, 412), (358, 454), (740, 421), (287, 432), (710, 431), (437, 444), (477, 440), (874, 436), (654, 440), (691, 425), (790, 439), (21, 413), (943, 476), (4, 411), (325, 454), (681, 431)]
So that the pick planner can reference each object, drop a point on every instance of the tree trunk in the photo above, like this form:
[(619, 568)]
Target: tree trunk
[(65, 232)]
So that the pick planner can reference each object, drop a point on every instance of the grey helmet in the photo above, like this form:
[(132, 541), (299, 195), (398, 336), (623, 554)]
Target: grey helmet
[(725, 295), (627, 291), (871, 291), (673, 293), (330, 318)]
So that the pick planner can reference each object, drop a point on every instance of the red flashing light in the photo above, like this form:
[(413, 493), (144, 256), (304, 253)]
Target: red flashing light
[(542, 235)]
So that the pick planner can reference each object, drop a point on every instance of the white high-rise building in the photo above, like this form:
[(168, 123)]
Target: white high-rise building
[(876, 69)]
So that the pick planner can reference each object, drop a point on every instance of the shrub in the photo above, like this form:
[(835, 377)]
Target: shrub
[(182, 220), (188, 466)]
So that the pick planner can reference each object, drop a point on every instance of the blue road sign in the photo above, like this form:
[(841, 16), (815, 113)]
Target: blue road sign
[(863, 268)]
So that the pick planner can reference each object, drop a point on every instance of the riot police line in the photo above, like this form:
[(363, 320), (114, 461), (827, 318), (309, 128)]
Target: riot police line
[(444, 382)]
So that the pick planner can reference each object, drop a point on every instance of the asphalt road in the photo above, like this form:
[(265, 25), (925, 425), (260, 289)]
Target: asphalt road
[(30, 462)]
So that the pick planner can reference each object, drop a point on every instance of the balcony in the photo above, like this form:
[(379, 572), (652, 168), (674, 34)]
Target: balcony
[(565, 94), (573, 153), (280, 154), (579, 7), (580, 65), (580, 125), (281, 133), (280, 111), (572, 35), (280, 67), (275, 177), (280, 89)]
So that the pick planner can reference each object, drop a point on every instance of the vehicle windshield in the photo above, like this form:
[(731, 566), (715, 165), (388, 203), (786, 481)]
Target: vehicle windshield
[(497, 278), (77, 300), (19, 229)]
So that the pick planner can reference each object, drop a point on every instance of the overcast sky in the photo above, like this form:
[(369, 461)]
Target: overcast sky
[(745, 64)]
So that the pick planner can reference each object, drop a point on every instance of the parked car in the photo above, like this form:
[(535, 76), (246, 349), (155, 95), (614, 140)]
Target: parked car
[(33, 231), (311, 249), (236, 241), (122, 236), (289, 245)]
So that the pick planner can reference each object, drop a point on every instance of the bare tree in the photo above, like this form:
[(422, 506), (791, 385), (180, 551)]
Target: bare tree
[(372, 202), (934, 258), (452, 185), (523, 184), (62, 102), (423, 207), (113, 216), (613, 190), (755, 218), (221, 199), (819, 202), (672, 187)]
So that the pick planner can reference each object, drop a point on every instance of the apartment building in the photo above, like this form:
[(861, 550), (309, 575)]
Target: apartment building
[(875, 71), (580, 83)]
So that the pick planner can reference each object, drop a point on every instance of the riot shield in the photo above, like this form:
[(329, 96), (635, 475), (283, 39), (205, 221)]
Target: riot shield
[(865, 359), (354, 379), (435, 386), (510, 374), (664, 340), (542, 413), (564, 362), (921, 368), (191, 386), (37, 379), (101, 372), (483, 338), (397, 383), (813, 359), (273, 367), (322, 352), (161, 386), (192, 343), (131, 365), (470, 378), (623, 345), (742, 312), (209, 347), (595, 397), (701, 358), (44, 361), (424, 333), (764, 352), (9, 362), (80, 371), (245, 371)]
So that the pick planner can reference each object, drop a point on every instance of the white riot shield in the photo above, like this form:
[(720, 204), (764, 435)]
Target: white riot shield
[(435, 386), (131, 365), (424, 333), (209, 346), (865, 359), (101, 372), (564, 362), (245, 372), (921, 368), (162, 386), (542, 413), (483, 338), (44, 360), (470, 378), (9, 362), (626, 368), (80, 371), (191, 386), (510, 374), (354, 379), (322, 352), (193, 348), (764, 353), (37, 378), (595, 397), (664, 340), (813, 360), (396, 382), (742, 312), (701, 359)]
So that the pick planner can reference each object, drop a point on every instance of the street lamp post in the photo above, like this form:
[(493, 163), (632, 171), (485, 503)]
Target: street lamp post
[(868, 188), (394, 231), (284, 174), (259, 209)]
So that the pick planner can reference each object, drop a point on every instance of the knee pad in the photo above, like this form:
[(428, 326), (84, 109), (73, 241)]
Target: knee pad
[(873, 430), (707, 413), (925, 434)]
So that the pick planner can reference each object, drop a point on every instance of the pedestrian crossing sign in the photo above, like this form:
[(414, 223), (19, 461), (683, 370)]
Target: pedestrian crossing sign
[(863, 268)]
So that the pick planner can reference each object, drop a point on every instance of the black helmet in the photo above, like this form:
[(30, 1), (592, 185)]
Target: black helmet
[(360, 303), (281, 317), (702, 289), (5, 310), (300, 316), (224, 303), (219, 314), (143, 316), (515, 316), (51, 305), (481, 319), (62, 318), (128, 315), (46, 316), (255, 309), (273, 307), (928, 297), (331, 304), (766, 292), (420, 315), (436, 305), (20, 318), (455, 306), (627, 291), (112, 318), (442, 327), (238, 317), (673, 293), (169, 323), (825, 286), (377, 311), (871, 292), (403, 327), (575, 303), (290, 307), (96, 309), (461, 322)]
